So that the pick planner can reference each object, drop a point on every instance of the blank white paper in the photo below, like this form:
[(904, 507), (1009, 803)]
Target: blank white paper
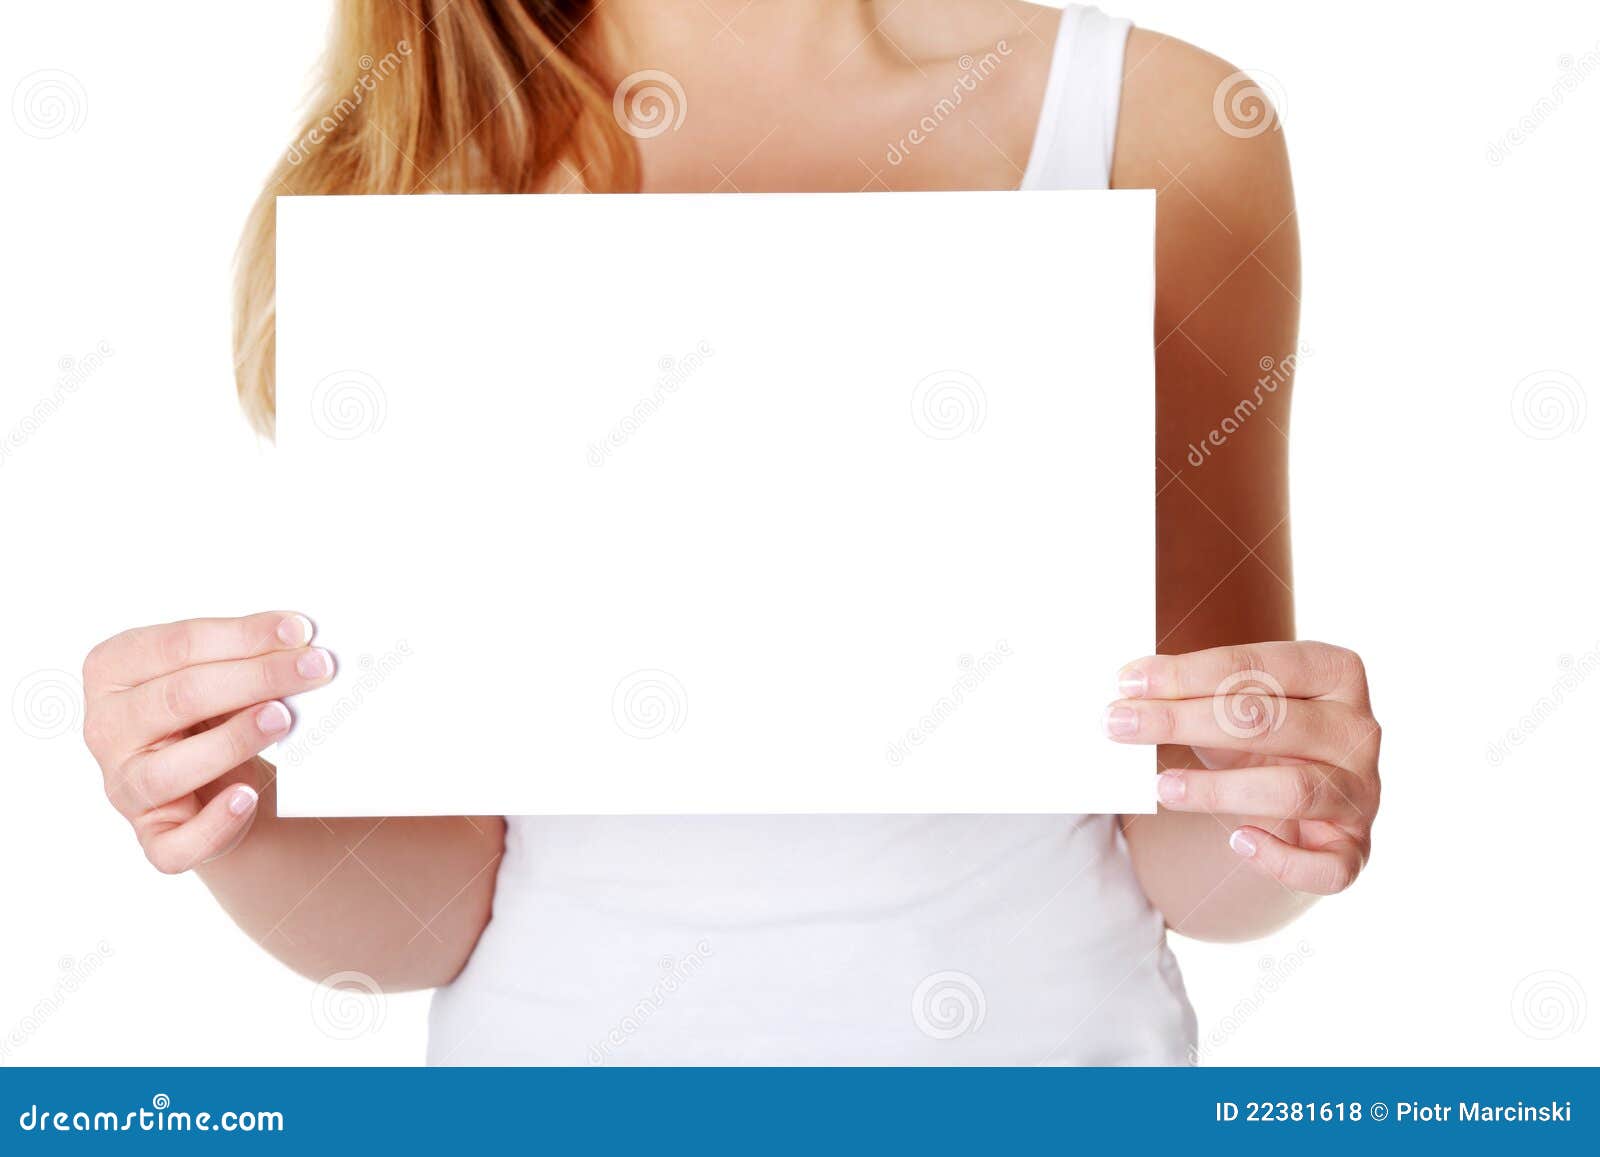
[(717, 503)]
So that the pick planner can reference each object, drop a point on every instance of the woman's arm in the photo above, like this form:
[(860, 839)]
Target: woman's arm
[(175, 715), (402, 900), (1227, 316)]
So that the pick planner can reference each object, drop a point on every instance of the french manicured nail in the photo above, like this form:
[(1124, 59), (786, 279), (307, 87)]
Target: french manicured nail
[(1121, 721), (1170, 787), (314, 664), (295, 631), (1132, 683), (243, 800), (1242, 843), (272, 718)]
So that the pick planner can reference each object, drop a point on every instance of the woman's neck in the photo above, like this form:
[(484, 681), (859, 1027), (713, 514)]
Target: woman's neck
[(807, 94), (690, 38)]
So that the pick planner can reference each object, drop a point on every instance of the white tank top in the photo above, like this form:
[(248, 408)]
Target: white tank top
[(853, 939)]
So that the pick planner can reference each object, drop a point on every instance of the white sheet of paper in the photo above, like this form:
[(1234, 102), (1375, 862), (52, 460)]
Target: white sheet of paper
[(717, 503)]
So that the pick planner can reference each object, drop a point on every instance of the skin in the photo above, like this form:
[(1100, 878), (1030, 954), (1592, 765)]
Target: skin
[(1268, 800)]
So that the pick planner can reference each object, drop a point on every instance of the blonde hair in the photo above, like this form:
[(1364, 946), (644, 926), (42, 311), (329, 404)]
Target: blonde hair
[(449, 96)]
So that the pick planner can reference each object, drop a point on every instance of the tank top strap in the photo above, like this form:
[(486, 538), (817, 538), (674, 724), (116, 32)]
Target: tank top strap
[(1077, 130)]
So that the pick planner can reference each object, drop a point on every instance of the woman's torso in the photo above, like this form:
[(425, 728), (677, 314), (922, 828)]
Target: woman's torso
[(814, 940), (957, 939)]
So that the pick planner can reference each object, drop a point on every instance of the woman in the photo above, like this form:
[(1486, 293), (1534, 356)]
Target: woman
[(905, 939)]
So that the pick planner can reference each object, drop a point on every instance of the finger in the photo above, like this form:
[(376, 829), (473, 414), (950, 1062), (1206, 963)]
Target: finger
[(1299, 727), (195, 694), (1322, 871), (172, 772), (215, 829), (1283, 670), (146, 653), (1299, 791)]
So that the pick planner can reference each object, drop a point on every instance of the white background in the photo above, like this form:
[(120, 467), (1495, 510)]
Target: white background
[(1433, 533)]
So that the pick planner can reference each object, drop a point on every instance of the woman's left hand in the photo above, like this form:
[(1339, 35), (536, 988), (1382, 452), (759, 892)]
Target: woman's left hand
[(1284, 733)]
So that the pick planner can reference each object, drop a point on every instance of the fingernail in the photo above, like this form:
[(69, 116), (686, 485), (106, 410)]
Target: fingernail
[(314, 664), (295, 631), (272, 718), (1170, 787), (1242, 843), (1121, 721), (243, 799), (1132, 683)]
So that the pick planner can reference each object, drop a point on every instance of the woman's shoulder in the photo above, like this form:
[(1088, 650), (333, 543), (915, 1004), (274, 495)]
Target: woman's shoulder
[(1209, 138), (1193, 122), (1180, 104)]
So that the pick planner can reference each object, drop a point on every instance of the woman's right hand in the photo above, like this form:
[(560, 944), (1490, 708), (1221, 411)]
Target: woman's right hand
[(175, 716)]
